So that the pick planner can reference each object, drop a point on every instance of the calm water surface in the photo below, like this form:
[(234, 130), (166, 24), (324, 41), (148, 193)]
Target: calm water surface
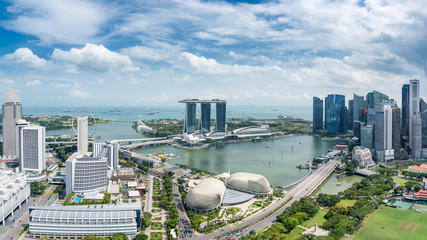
[(250, 157)]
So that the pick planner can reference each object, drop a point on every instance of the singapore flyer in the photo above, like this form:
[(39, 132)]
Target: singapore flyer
[(83, 111)]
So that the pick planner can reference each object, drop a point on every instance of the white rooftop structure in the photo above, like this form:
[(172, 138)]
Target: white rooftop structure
[(14, 190), (206, 196), (250, 183)]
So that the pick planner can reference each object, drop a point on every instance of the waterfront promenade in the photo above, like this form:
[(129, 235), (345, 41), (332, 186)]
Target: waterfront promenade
[(269, 214)]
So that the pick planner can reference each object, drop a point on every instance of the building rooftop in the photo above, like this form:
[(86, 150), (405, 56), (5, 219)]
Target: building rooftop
[(421, 167), (92, 207), (10, 184), (195, 100)]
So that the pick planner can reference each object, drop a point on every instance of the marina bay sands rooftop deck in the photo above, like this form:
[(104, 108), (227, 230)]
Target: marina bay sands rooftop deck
[(195, 100)]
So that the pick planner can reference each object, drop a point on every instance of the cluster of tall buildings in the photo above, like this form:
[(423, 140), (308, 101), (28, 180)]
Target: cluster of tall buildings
[(21, 140), (377, 121)]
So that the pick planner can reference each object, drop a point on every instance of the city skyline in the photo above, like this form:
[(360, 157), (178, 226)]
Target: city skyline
[(258, 52)]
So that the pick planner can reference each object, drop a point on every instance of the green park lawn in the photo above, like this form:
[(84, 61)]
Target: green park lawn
[(399, 181), (296, 233), (156, 236), (156, 226), (318, 218), (156, 210), (346, 202), (390, 223)]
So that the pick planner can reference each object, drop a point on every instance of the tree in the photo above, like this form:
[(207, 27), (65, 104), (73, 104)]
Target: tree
[(290, 224), (141, 237), (119, 236), (89, 237)]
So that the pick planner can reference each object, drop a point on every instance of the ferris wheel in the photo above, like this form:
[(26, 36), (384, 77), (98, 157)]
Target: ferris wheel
[(83, 111)]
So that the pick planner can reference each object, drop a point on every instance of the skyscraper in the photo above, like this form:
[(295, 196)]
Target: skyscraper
[(350, 118), (190, 118), (358, 106), (32, 154), (367, 136), (375, 98), (82, 135), (383, 132), (12, 112), (220, 117), (335, 113), (424, 123), (397, 128), (415, 122), (405, 112), (205, 118), (317, 114)]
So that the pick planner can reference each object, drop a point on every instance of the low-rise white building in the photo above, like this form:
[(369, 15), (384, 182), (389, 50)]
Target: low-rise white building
[(14, 190), (363, 156)]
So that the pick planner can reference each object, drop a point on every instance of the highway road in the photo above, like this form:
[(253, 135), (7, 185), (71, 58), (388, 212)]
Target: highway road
[(21, 222), (268, 215), (185, 230)]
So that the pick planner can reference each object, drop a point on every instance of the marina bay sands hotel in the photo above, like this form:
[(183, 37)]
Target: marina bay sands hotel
[(205, 115)]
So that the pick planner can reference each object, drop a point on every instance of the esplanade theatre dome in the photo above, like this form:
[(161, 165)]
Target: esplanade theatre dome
[(206, 196), (249, 182)]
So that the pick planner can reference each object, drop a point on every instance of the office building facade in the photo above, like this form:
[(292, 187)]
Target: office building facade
[(375, 98), (383, 132), (335, 114), (86, 174), (396, 128), (12, 112), (82, 135), (357, 127), (358, 106), (76, 222), (415, 122), (405, 112), (32, 154), (424, 124), (350, 118), (367, 136), (317, 114)]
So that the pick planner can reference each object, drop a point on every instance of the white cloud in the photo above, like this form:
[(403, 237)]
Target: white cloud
[(27, 58), (59, 21), (33, 83), (95, 58), (80, 93), (60, 85)]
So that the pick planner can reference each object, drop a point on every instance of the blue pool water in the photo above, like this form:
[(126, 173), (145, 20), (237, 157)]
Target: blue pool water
[(77, 199)]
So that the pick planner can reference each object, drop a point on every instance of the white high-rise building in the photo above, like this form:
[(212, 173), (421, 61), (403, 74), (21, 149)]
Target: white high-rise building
[(12, 112), (384, 132), (32, 154), (82, 135), (98, 149), (86, 174), (415, 122)]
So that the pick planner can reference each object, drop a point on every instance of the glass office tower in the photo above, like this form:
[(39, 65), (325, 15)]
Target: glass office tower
[(317, 114)]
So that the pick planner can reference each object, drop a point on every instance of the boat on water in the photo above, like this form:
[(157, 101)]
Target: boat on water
[(338, 184)]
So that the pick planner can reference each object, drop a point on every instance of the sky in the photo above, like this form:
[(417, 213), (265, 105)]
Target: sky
[(153, 53)]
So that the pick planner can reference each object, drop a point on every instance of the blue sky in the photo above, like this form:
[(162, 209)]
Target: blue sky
[(142, 52)]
